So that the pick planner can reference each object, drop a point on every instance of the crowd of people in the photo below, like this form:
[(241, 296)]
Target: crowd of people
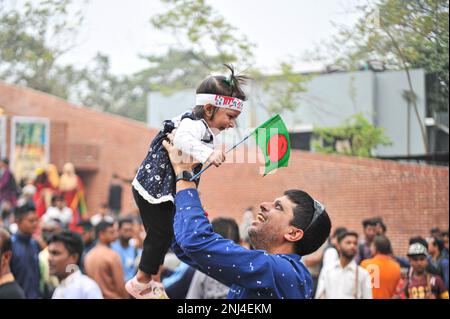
[(50, 248)]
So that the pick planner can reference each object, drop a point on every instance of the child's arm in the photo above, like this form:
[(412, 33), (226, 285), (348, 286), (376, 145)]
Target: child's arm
[(188, 139)]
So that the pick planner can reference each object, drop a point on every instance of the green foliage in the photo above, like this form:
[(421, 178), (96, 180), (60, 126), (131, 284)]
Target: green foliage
[(32, 39), (361, 135), (283, 91), (403, 34), (205, 41)]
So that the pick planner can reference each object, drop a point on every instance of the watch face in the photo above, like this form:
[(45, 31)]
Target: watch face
[(185, 176)]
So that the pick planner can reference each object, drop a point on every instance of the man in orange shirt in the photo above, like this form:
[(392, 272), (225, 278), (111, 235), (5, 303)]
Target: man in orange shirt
[(383, 269)]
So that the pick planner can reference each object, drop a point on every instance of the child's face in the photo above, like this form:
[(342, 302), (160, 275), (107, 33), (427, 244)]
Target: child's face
[(223, 119)]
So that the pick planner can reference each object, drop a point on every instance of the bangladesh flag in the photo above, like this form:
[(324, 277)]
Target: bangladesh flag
[(273, 139)]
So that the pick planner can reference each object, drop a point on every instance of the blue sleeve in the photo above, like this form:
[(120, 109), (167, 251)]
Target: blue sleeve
[(198, 245)]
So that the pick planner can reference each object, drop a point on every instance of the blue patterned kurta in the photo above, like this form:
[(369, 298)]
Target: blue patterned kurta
[(155, 179), (250, 274)]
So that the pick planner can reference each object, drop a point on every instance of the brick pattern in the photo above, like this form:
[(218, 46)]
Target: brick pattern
[(410, 198)]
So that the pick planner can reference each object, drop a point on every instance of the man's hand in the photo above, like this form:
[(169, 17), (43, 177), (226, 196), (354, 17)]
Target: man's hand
[(180, 162), (216, 158)]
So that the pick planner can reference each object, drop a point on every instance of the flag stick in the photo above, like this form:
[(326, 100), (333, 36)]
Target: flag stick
[(201, 172)]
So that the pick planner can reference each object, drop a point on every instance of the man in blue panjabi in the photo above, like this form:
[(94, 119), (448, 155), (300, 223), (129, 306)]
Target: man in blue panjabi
[(291, 226)]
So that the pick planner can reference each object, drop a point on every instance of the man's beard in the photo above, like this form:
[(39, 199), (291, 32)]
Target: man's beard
[(260, 238), (349, 256)]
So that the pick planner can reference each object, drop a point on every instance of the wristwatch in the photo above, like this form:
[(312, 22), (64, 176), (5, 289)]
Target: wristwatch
[(184, 176)]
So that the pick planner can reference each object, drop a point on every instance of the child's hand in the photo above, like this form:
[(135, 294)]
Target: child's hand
[(216, 158)]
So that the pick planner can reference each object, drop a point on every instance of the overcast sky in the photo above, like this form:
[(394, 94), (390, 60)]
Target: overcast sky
[(279, 28)]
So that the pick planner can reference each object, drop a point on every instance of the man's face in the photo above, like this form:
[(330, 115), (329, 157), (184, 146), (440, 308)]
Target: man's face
[(445, 239), (126, 231), (29, 223), (59, 259), (432, 249), (370, 232), (108, 235), (348, 246), (419, 263), (272, 223)]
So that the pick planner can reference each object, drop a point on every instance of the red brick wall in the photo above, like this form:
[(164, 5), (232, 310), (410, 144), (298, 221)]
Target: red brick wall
[(410, 198), (118, 144)]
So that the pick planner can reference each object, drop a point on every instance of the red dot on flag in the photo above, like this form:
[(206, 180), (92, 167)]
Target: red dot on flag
[(277, 147)]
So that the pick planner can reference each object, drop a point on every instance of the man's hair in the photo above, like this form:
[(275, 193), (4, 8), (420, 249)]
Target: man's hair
[(369, 222), (445, 233), (5, 161), (5, 241), (347, 233), (227, 228), (71, 241), (436, 242), (101, 227), (379, 221), (315, 234), (382, 245), (338, 231), (22, 211), (435, 230), (125, 220)]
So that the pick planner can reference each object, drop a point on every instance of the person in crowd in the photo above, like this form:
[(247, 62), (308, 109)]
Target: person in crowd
[(71, 186), (445, 240), (65, 249), (436, 232), (203, 286), (102, 215), (331, 253), (44, 192), (9, 288), (53, 176), (59, 211), (8, 186), (115, 195), (25, 257), (380, 226), (419, 283), (438, 259), (383, 268), (104, 265), (344, 279), (48, 282), (370, 231), (128, 252)]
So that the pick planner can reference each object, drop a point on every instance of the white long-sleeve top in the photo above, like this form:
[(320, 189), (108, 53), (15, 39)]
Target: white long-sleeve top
[(336, 282), (195, 138)]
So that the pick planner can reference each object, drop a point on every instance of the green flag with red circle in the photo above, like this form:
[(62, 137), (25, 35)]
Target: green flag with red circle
[(273, 139)]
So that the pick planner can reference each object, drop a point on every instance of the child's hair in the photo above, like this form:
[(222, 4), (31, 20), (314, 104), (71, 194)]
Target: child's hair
[(221, 85)]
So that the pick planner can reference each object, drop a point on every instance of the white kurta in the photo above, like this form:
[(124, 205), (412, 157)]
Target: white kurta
[(336, 282)]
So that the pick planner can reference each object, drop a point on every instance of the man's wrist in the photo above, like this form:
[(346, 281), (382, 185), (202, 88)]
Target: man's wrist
[(182, 185)]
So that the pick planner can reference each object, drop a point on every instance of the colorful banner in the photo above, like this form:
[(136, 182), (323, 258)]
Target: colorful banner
[(2, 137), (30, 146)]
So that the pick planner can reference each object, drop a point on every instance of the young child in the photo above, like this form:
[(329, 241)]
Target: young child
[(219, 102)]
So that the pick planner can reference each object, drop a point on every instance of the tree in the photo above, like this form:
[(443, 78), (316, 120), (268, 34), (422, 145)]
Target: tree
[(98, 88), (204, 41), (403, 34), (282, 92), (32, 39), (357, 137)]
